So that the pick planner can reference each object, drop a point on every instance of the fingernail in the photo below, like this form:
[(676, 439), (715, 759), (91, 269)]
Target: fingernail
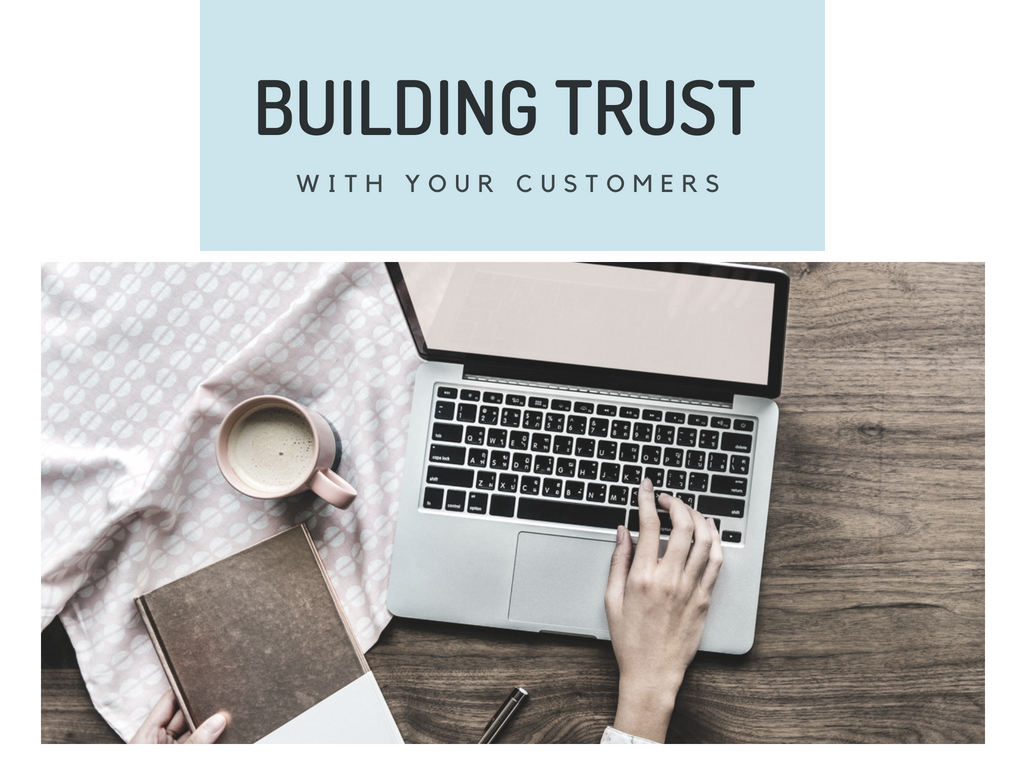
[(647, 485), (619, 533), (216, 723)]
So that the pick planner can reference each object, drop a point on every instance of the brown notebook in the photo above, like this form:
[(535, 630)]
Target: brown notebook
[(260, 634)]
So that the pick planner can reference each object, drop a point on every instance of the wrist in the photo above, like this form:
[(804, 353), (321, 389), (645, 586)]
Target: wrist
[(645, 709)]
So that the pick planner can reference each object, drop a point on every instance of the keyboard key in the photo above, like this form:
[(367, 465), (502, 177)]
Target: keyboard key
[(734, 441), (554, 422), (743, 425), (485, 480), (444, 410), (676, 480), (489, 414), (499, 460), (739, 465), (493, 397), (587, 470), (510, 417), (565, 468), (519, 441), (533, 420), (686, 437), (519, 400), (650, 414), (496, 437), (467, 412), (597, 493), (674, 457), (607, 410), (475, 435), (708, 439), (433, 498), (657, 475), (629, 452), (720, 506), (503, 506), (731, 486), (448, 393), (598, 427), (540, 443), (507, 482), (718, 462), (675, 418), (629, 413), (530, 484), (610, 472), (544, 465), (561, 405), (618, 494), (521, 462), (570, 513), (470, 394), (584, 447), (582, 407), (552, 487), (650, 454), (698, 482), (606, 449), (695, 459), (665, 434), (448, 454), (462, 478), (562, 445), (697, 420), (477, 457), (632, 474), (576, 425), (538, 402), (731, 536), (620, 430), (477, 503), (448, 433), (574, 490), (719, 422), (455, 501), (642, 432)]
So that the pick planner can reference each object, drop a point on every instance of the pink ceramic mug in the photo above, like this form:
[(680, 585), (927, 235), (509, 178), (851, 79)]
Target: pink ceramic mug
[(269, 447)]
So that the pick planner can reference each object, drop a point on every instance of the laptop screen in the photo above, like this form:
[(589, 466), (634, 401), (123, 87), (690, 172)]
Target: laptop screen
[(712, 324)]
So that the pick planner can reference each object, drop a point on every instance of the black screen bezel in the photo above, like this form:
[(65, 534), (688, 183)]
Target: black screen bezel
[(627, 381)]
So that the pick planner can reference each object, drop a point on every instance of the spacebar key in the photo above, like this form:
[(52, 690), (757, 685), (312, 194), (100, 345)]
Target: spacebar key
[(549, 511)]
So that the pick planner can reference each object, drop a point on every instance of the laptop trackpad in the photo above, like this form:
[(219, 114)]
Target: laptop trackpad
[(559, 581)]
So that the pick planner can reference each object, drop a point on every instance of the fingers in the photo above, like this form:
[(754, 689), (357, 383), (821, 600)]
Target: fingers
[(157, 719), (209, 731), (647, 541), (715, 557), (622, 556)]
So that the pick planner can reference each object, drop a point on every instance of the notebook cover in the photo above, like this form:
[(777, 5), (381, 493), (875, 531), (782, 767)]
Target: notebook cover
[(260, 634)]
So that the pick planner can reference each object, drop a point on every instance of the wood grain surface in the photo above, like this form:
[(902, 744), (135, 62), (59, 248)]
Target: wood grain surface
[(871, 623)]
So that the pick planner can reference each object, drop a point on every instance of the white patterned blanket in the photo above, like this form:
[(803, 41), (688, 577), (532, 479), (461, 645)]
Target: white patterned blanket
[(140, 362)]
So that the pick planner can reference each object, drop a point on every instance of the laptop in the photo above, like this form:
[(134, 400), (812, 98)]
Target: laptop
[(547, 393)]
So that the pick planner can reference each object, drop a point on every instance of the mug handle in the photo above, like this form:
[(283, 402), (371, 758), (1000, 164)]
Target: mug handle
[(328, 485)]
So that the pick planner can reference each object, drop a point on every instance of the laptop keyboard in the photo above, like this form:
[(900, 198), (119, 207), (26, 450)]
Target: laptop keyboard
[(578, 461)]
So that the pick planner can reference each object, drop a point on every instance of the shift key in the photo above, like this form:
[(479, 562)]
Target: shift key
[(461, 478)]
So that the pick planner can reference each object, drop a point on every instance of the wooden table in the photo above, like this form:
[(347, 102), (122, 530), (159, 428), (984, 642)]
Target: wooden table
[(871, 622)]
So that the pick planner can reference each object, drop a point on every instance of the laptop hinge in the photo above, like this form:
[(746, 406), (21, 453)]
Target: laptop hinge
[(601, 391)]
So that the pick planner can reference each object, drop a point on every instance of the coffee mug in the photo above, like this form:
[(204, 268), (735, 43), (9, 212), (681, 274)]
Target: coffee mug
[(269, 447)]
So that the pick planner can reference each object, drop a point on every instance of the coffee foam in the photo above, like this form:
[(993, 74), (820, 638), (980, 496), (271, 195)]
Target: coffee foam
[(272, 449)]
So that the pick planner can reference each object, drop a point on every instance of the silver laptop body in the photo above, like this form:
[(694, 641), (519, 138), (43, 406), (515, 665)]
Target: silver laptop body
[(587, 377)]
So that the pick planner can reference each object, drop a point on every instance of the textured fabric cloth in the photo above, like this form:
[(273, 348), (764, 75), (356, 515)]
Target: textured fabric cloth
[(612, 736), (140, 362)]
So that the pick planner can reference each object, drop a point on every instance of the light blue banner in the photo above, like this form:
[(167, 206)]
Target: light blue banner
[(740, 166)]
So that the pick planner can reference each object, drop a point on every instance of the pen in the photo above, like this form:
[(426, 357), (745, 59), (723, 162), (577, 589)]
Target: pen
[(503, 714)]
